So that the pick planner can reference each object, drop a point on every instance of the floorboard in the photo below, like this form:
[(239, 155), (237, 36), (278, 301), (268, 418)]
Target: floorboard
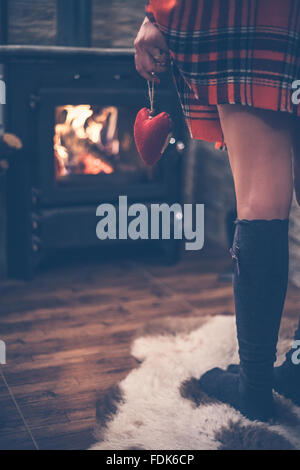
[(68, 335)]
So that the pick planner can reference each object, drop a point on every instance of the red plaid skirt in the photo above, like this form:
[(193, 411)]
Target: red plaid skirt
[(230, 51)]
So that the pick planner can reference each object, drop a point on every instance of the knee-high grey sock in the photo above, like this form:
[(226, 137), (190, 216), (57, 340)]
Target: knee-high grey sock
[(260, 282), (260, 251)]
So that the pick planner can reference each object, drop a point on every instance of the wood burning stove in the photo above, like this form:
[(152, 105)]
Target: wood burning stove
[(74, 110)]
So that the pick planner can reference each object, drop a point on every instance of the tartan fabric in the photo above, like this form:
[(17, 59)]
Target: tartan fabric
[(230, 51)]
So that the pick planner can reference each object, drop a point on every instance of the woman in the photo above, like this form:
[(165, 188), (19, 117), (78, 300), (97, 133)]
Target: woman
[(234, 62)]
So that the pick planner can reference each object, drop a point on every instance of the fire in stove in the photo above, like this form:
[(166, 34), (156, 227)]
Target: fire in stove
[(86, 140)]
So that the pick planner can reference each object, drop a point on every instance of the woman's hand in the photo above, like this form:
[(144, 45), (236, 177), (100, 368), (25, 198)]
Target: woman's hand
[(151, 51)]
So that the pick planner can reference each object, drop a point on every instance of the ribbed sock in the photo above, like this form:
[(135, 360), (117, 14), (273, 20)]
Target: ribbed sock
[(260, 251)]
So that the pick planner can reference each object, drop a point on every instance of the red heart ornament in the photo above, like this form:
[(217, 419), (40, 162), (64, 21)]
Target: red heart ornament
[(152, 135)]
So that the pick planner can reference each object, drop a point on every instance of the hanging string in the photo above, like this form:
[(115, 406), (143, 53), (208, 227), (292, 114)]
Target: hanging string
[(151, 96)]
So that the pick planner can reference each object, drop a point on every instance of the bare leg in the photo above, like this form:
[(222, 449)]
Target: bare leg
[(259, 144)]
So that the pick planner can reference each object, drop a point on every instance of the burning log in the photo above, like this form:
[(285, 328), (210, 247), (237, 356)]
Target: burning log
[(10, 144), (78, 146)]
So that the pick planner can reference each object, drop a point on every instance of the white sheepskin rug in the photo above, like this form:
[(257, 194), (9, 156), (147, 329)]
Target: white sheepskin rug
[(159, 407)]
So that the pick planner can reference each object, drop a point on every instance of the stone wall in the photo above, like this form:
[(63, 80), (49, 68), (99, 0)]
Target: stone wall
[(32, 22), (114, 23)]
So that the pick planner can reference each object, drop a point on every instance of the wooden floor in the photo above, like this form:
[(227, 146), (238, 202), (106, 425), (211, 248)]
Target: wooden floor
[(68, 336)]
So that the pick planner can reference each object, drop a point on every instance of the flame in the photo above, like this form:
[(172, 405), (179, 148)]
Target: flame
[(93, 131), (94, 166), (85, 139)]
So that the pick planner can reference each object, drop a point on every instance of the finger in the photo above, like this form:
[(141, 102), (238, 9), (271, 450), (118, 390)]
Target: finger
[(157, 53), (161, 43), (143, 71), (150, 77), (149, 64), (160, 67), (157, 67), (146, 65), (160, 61)]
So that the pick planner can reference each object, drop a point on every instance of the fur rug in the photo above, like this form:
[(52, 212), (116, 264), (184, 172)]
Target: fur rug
[(159, 405)]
